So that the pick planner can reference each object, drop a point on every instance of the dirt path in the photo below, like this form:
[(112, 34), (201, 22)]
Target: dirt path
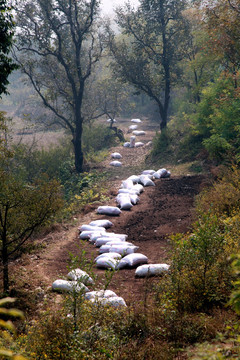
[(163, 210)]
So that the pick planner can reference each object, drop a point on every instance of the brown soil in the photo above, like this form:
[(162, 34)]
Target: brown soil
[(164, 209)]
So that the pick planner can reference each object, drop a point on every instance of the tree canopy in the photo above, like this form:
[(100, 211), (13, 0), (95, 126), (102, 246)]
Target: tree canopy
[(58, 46), (6, 39), (150, 48)]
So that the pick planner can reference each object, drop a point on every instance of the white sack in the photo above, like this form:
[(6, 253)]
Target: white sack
[(162, 172), (108, 210), (115, 301), (80, 275), (136, 121), (102, 223), (134, 178), (109, 245), (99, 294), (148, 172), (64, 285), (138, 187), (126, 144), (109, 255), (127, 184), (86, 227), (116, 155), (123, 249), (129, 191), (132, 141), (134, 199), (151, 270), (113, 120), (107, 263), (139, 144), (115, 236), (139, 133), (124, 201), (104, 240), (94, 236), (85, 235), (133, 127), (116, 163), (156, 175), (146, 181), (132, 260)]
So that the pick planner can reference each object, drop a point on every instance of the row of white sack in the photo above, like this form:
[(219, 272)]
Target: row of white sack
[(115, 252), (132, 143), (103, 297), (128, 194), (132, 186)]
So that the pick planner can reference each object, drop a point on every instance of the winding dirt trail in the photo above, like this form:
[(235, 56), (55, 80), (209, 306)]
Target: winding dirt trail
[(164, 209)]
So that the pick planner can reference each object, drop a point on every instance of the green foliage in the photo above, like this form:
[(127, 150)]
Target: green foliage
[(96, 138), (217, 120), (200, 272), (235, 296), (6, 30), (7, 327)]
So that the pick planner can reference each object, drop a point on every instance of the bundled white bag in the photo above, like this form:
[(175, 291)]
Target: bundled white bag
[(116, 163), (108, 210), (104, 294), (134, 199), (102, 223), (116, 236), (133, 127), (128, 191), (127, 184), (146, 181), (107, 263), (132, 141), (138, 132), (132, 260), (116, 155), (111, 120), (134, 178), (156, 175), (151, 270), (148, 172), (109, 245), (86, 227), (69, 286), (115, 301), (80, 275), (109, 255), (124, 201), (94, 236), (139, 144), (123, 249), (138, 187), (85, 235), (136, 121), (126, 144), (162, 172)]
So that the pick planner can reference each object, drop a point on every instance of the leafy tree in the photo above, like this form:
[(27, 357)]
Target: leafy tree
[(222, 22), (151, 48), (6, 38), (23, 209), (58, 46)]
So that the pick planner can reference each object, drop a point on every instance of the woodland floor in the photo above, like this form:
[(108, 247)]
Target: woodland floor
[(164, 209)]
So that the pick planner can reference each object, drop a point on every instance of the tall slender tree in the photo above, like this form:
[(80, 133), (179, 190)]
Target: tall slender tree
[(58, 46), (152, 46)]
